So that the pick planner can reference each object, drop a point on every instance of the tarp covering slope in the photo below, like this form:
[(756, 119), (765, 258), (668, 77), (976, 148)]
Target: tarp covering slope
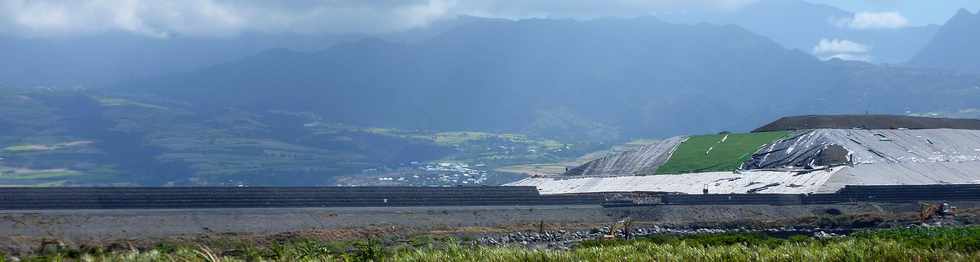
[(967, 172), (716, 183), (869, 146), (816, 161), (641, 161)]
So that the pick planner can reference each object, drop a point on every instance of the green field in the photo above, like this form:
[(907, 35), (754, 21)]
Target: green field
[(723, 152), (906, 244)]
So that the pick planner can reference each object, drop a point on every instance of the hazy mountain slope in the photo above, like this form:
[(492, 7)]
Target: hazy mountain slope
[(87, 137), (801, 25), (634, 77), (104, 59), (631, 73), (955, 46)]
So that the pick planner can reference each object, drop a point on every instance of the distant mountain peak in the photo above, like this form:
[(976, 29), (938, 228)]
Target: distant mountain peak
[(963, 16), (962, 13), (954, 46)]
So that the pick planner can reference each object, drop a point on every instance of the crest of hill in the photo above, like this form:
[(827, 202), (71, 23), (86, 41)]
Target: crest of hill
[(954, 46), (867, 122)]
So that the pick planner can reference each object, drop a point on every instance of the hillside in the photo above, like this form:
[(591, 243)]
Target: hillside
[(955, 45), (546, 78), (801, 142), (92, 138), (444, 111), (812, 22)]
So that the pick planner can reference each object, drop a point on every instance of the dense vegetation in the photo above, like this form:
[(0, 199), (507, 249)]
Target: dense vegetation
[(722, 152), (916, 244)]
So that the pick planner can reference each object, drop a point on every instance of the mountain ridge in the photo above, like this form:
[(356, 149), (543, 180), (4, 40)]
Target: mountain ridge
[(631, 74), (954, 46)]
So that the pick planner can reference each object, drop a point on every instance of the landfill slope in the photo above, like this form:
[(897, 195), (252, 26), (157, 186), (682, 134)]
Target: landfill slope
[(722, 152), (870, 147), (930, 173), (771, 182), (814, 161), (644, 160)]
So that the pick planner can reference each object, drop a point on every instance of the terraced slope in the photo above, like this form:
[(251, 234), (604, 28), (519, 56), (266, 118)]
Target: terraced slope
[(723, 152)]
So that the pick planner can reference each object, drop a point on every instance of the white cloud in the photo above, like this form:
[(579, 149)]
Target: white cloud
[(214, 17), (849, 57), (588, 8), (830, 46), (841, 49), (872, 20), (162, 18)]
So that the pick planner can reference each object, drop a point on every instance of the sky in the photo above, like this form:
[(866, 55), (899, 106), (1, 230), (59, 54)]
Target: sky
[(215, 18), (918, 12)]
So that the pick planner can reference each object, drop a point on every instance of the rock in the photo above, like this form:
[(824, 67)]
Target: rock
[(51, 246)]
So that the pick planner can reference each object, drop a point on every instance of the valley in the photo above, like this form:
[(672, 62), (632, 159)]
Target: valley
[(237, 147)]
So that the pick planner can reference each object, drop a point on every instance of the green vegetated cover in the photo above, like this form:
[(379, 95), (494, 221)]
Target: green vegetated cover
[(901, 244), (722, 152)]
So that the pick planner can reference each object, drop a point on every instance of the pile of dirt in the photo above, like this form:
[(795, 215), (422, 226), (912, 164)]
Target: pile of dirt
[(867, 122)]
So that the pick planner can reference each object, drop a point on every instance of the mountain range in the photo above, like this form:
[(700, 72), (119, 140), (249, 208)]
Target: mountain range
[(640, 77), (955, 45), (487, 92), (94, 61), (802, 25)]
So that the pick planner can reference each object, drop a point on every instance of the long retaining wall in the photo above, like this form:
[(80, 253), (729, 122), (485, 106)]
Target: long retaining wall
[(849, 194), (263, 197), (254, 197)]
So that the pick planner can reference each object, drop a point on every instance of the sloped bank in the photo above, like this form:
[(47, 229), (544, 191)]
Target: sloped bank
[(26, 231), (788, 156)]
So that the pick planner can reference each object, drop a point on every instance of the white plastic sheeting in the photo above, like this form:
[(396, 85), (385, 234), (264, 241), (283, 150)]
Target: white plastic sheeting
[(716, 182), (875, 146), (905, 174), (879, 157), (644, 160)]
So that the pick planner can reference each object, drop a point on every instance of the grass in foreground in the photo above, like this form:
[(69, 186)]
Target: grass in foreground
[(924, 244), (723, 152)]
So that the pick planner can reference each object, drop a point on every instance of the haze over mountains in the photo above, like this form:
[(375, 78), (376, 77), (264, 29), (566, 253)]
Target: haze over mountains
[(106, 58), (633, 75), (320, 109), (802, 25), (955, 45), (102, 59)]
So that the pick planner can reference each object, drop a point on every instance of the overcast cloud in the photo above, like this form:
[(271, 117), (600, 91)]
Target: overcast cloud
[(873, 20), (229, 17), (842, 49)]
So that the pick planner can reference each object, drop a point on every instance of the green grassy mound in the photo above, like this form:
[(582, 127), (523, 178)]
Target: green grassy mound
[(723, 152)]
